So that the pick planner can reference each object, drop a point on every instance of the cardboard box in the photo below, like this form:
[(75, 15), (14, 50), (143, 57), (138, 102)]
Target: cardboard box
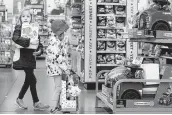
[(106, 91), (30, 31)]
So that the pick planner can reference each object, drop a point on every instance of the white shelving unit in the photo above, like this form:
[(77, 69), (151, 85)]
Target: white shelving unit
[(92, 38)]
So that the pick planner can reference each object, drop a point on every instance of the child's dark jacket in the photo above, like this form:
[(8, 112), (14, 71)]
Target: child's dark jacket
[(23, 58)]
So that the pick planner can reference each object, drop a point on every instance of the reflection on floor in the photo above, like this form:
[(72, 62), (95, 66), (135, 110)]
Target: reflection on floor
[(11, 82)]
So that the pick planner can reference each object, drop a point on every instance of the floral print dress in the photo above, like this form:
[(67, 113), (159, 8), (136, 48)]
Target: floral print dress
[(57, 56)]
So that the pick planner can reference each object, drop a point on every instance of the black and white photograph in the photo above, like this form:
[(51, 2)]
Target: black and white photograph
[(85, 56)]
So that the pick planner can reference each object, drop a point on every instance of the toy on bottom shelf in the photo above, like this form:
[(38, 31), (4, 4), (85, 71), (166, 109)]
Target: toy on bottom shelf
[(166, 98), (5, 30), (70, 93)]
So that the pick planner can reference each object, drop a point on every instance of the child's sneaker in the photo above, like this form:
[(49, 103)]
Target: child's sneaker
[(55, 110), (40, 106), (20, 103)]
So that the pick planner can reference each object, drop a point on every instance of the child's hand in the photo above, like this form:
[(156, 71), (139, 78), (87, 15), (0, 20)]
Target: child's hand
[(68, 72), (34, 41)]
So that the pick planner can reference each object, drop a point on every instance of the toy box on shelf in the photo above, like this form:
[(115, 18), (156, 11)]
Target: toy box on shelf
[(5, 44), (111, 44)]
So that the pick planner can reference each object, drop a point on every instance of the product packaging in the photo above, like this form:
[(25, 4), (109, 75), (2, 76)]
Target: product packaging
[(101, 59), (101, 33), (120, 22), (109, 9), (101, 21), (101, 46), (101, 10), (110, 58), (30, 31), (110, 21), (111, 33), (110, 46), (121, 46)]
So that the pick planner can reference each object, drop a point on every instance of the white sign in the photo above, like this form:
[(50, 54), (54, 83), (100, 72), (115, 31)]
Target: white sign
[(132, 8), (90, 40)]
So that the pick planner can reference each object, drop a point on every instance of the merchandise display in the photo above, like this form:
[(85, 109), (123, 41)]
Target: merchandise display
[(111, 46), (77, 35), (118, 51), (5, 44)]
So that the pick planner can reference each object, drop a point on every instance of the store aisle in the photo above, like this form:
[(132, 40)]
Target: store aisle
[(9, 90)]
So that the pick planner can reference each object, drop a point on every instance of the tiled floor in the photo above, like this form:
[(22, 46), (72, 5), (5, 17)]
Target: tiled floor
[(11, 82)]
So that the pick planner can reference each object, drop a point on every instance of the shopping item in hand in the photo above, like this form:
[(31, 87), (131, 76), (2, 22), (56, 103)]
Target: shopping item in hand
[(30, 31)]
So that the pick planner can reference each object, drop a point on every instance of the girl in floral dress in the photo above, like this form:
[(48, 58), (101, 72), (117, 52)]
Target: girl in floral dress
[(57, 58)]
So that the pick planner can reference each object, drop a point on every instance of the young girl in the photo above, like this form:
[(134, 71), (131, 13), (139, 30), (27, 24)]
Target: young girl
[(57, 58), (25, 60)]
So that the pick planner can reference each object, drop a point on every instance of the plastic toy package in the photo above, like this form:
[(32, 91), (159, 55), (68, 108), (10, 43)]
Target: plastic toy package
[(5, 30), (101, 33), (166, 98), (110, 21), (120, 10), (120, 46), (101, 10), (120, 22), (101, 45), (109, 9), (110, 58), (111, 33), (70, 93), (115, 1), (120, 59), (101, 59), (110, 46), (101, 21), (118, 33)]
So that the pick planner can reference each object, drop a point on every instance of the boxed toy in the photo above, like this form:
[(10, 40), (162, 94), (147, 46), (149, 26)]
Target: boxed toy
[(101, 45), (101, 10), (111, 46), (109, 9), (110, 21), (110, 58), (101, 33), (121, 46), (120, 22), (101, 21), (30, 31), (120, 10), (111, 33), (69, 94)]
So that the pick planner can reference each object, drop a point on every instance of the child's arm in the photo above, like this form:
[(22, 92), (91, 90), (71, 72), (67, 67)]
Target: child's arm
[(39, 50), (24, 42)]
